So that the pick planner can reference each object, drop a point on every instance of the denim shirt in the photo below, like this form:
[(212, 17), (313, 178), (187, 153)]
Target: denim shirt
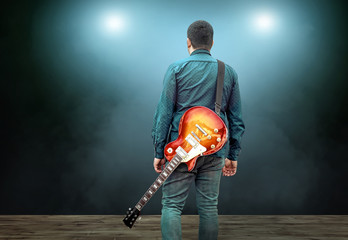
[(192, 82)]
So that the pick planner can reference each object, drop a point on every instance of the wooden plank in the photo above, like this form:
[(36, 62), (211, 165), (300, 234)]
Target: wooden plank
[(246, 227)]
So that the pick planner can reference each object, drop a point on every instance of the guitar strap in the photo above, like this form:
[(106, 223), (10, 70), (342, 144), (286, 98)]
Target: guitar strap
[(219, 86)]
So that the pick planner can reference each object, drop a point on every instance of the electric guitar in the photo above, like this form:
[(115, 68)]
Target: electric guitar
[(201, 132)]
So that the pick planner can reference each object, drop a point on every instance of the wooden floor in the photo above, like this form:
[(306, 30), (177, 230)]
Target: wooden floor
[(246, 227)]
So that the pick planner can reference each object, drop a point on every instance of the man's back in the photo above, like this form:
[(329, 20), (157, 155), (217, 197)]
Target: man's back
[(192, 82)]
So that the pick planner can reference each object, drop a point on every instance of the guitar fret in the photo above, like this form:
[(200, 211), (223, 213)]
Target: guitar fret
[(159, 181), (176, 160)]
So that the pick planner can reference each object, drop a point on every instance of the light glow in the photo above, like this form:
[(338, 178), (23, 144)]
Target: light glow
[(114, 23), (264, 22)]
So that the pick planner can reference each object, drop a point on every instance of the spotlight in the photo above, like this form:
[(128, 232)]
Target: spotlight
[(114, 23), (264, 22)]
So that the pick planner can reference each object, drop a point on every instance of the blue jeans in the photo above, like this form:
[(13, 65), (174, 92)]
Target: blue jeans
[(206, 175)]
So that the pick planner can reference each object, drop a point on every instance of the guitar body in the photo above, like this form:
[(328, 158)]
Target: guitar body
[(207, 127), (201, 132)]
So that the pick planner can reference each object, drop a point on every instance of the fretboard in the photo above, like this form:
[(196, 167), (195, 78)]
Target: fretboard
[(171, 166)]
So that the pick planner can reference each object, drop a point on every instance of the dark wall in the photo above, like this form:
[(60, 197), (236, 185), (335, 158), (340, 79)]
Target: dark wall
[(77, 105)]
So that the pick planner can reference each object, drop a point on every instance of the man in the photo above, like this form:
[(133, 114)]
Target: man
[(187, 83)]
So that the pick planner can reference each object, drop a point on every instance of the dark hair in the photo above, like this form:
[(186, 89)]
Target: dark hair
[(201, 34)]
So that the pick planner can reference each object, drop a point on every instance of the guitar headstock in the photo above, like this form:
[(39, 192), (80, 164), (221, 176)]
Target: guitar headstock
[(131, 217)]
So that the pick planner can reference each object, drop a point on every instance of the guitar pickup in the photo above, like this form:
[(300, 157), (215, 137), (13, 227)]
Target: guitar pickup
[(181, 152), (191, 140)]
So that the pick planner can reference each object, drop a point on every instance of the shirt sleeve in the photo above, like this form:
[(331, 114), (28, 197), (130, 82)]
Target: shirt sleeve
[(235, 122), (164, 113)]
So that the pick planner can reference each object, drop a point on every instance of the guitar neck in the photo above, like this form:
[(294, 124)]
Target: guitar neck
[(171, 166)]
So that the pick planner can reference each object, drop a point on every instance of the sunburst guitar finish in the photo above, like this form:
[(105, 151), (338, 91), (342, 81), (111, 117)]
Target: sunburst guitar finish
[(205, 126)]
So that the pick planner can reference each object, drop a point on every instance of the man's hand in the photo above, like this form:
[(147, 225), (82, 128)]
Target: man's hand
[(230, 168), (158, 163)]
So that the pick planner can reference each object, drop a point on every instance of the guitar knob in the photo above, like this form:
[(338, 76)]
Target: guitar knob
[(209, 137), (170, 150), (218, 139), (216, 130), (212, 146), (129, 209)]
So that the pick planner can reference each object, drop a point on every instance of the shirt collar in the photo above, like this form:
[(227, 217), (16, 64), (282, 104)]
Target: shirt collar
[(200, 51)]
